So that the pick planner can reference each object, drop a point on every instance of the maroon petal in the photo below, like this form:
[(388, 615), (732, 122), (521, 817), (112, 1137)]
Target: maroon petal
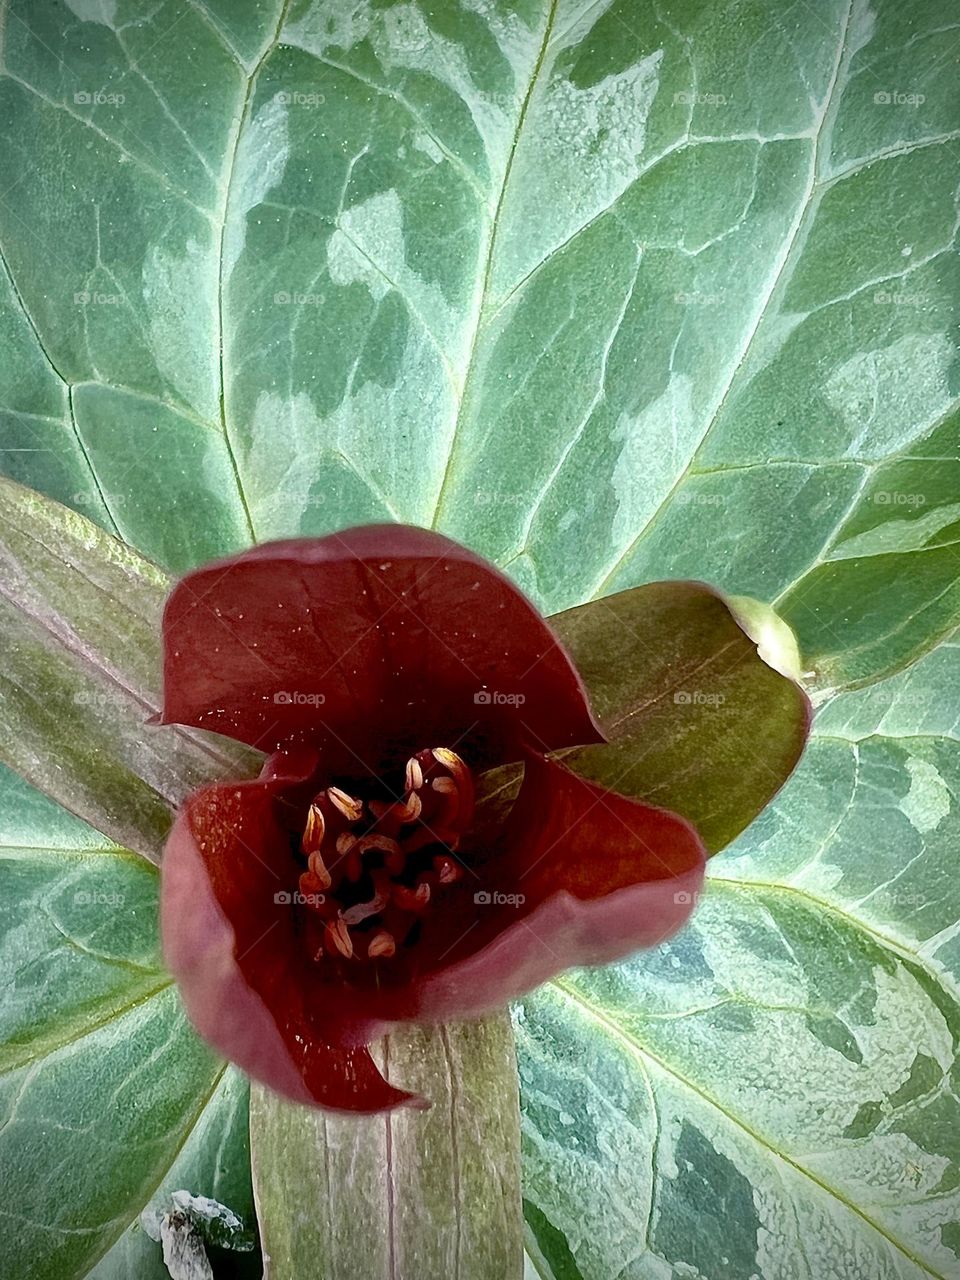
[(373, 641), (599, 875), (228, 941)]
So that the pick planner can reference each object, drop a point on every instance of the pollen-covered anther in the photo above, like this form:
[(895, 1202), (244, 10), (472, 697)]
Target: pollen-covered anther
[(381, 946), (314, 830), (349, 806), (413, 778), (337, 940), (319, 871), (463, 780)]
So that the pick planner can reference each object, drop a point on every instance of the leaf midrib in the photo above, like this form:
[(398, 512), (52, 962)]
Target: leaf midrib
[(222, 217), (481, 308)]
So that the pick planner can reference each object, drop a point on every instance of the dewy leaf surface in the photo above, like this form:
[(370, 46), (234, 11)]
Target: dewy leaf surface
[(776, 1087), (101, 1079), (611, 294)]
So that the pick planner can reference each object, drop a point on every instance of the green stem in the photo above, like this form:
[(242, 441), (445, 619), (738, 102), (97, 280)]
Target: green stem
[(414, 1193)]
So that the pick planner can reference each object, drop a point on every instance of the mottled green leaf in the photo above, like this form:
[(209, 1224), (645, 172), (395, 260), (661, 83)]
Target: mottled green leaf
[(214, 1161), (101, 1079), (585, 286), (773, 1093)]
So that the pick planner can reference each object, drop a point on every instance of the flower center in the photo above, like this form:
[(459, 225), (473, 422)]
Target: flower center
[(376, 866)]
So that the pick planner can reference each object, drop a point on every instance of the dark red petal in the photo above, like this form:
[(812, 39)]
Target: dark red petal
[(241, 972), (601, 876), (373, 640)]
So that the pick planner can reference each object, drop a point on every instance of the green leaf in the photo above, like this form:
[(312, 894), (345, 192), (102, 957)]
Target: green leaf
[(433, 1193), (214, 1162), (101, 1079), (774, 1091), (582, 287), (697, 722), (81, 614)]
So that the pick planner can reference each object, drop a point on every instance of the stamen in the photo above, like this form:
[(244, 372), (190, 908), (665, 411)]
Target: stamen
[(417, 899), (383, 843), (318, 870), (446, 786), (351, 808), (312, 887), (337, 940), (414, 775), (364, 910), (463, 778), (345, 842), (313, 832), (381, 945), (411, 808), (447, 869)]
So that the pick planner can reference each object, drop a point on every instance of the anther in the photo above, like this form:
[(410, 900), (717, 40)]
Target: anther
[(313, 832), (337, 940), (318, 870), (381, 945), (447, 869), (417, 899), (351, 808), (414, 775), (361, 911)]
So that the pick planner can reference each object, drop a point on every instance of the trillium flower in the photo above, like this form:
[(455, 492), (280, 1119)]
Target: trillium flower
[(357, 883)]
